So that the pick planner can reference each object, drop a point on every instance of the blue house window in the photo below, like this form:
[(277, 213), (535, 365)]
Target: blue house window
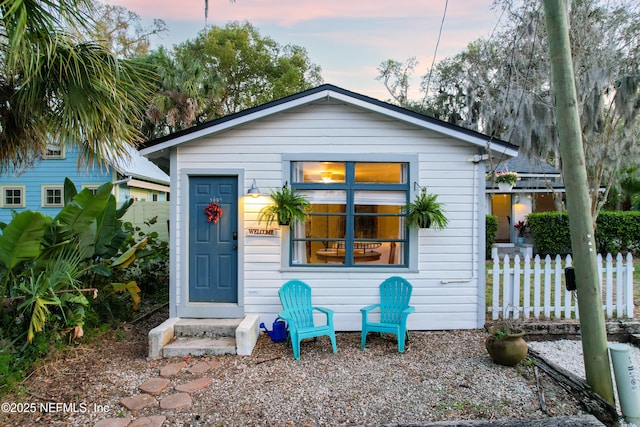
[(13, 197), (52, 196), (356, 218)]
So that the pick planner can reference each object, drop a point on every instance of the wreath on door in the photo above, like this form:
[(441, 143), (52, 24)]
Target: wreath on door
[(213, 212)]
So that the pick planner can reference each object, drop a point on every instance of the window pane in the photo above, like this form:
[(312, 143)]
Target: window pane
[(364, 253), (326, 222), (395, 173), (53, 196), (321, 172), (378, 227), (328, 197), (386, 198), (13, 197)]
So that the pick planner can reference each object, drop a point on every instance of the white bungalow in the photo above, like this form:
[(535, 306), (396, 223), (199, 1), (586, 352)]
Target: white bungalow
[(358, 160)]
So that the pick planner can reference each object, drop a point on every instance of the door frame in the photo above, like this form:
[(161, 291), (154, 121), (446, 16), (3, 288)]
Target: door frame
[(185, 308)]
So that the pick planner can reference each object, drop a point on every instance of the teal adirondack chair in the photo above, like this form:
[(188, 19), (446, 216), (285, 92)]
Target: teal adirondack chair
[(295, 297), (394, 308)]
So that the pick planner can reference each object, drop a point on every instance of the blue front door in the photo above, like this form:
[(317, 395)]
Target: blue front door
[(213, 247)]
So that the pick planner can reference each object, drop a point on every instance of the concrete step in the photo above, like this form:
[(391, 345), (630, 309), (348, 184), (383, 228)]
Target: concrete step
[(200, 347), (206, 328)]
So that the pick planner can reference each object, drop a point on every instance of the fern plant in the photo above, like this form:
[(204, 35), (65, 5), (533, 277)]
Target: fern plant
[(287, 207), (425, 212)]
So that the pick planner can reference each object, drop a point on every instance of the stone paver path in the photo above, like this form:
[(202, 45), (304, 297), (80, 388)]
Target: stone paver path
[(195, 385), (153, 421), (173, 388), (155, 385), (140, 401), (172, 369), (175, 401)]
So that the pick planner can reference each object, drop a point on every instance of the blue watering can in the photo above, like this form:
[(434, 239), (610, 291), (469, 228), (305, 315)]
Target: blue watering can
[(279, 332)]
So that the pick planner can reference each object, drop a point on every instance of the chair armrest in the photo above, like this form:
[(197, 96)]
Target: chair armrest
[(369, 308), (329, 313), (365, 312), (284, 315), (406, 312)]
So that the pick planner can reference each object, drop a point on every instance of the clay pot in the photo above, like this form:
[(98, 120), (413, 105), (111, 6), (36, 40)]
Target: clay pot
[(507, 351)]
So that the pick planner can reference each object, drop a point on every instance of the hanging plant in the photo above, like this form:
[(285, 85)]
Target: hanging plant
[(287, 207), (213, 212), (425, 212)]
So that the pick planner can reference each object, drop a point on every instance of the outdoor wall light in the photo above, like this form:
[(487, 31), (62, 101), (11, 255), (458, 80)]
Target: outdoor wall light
[(254, 191)]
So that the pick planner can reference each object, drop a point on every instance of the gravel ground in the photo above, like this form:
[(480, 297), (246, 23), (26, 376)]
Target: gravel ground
[(568, 354), (441, 376)]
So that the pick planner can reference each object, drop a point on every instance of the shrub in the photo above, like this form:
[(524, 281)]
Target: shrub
[(550, 232), (491, 228), (617, 231), (49, 268), (150, 269)]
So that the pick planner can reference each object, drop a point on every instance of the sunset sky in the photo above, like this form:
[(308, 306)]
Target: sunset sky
[(347, 39)]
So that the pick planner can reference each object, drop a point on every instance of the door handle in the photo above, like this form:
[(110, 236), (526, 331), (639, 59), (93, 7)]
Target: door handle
[(235, 235), (235, 247)]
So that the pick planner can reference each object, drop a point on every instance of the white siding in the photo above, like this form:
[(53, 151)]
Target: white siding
[(445, 281)]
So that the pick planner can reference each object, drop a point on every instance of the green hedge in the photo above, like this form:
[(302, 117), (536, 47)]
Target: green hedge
[(550, 232), (491, 229), (618, 232), (615, 232)]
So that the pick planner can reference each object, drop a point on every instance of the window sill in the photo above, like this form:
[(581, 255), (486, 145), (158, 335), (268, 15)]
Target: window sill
[(348, 269)]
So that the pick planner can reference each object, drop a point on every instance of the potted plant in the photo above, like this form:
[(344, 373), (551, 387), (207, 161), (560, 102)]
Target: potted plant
[(521, 227), (425, 212), (506, 180), (287, 206), (506, 344)]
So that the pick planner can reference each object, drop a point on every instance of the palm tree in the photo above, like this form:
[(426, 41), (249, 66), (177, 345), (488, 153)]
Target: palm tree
[(57, 88)]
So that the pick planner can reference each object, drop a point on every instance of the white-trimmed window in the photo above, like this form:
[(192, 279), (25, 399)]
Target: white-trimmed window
[(13, 196), (52, 196), (92, 188), (55, 151)]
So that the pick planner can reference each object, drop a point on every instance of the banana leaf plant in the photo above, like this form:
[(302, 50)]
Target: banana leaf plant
[(42, 259)]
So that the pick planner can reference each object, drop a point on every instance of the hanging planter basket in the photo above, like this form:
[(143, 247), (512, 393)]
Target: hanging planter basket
[(504, 186), (213, 212)]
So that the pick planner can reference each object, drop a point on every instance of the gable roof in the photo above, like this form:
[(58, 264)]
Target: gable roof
[(139, 167), (327, 91), (526, 166)]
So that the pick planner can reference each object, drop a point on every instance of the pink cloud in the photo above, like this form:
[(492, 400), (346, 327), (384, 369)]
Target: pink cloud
[(291, 12)]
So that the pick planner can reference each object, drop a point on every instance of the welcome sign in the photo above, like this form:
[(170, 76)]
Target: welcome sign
[(262, 232)]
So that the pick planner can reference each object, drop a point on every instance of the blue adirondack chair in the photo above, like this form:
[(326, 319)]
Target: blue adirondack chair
[(295, 297), (395, 293)]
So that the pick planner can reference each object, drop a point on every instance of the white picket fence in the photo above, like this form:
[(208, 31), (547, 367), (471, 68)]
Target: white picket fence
[(535, 287)]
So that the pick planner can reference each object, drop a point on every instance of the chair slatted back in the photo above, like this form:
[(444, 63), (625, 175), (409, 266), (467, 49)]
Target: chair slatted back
[(395, 293), (295, 297)]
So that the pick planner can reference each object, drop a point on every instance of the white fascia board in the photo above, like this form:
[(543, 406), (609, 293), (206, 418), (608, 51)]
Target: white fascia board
[(328, 94)]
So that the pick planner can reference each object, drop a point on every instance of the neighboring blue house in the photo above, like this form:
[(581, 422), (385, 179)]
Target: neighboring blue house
[(41, 187)]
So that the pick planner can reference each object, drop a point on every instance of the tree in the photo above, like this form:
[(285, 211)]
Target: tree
[(56, 87), (501, 86), (121, 31), (183, 85), (222, 71), (253, 69)]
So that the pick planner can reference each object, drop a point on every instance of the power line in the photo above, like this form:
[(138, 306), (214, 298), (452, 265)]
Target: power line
[(444, 15)]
